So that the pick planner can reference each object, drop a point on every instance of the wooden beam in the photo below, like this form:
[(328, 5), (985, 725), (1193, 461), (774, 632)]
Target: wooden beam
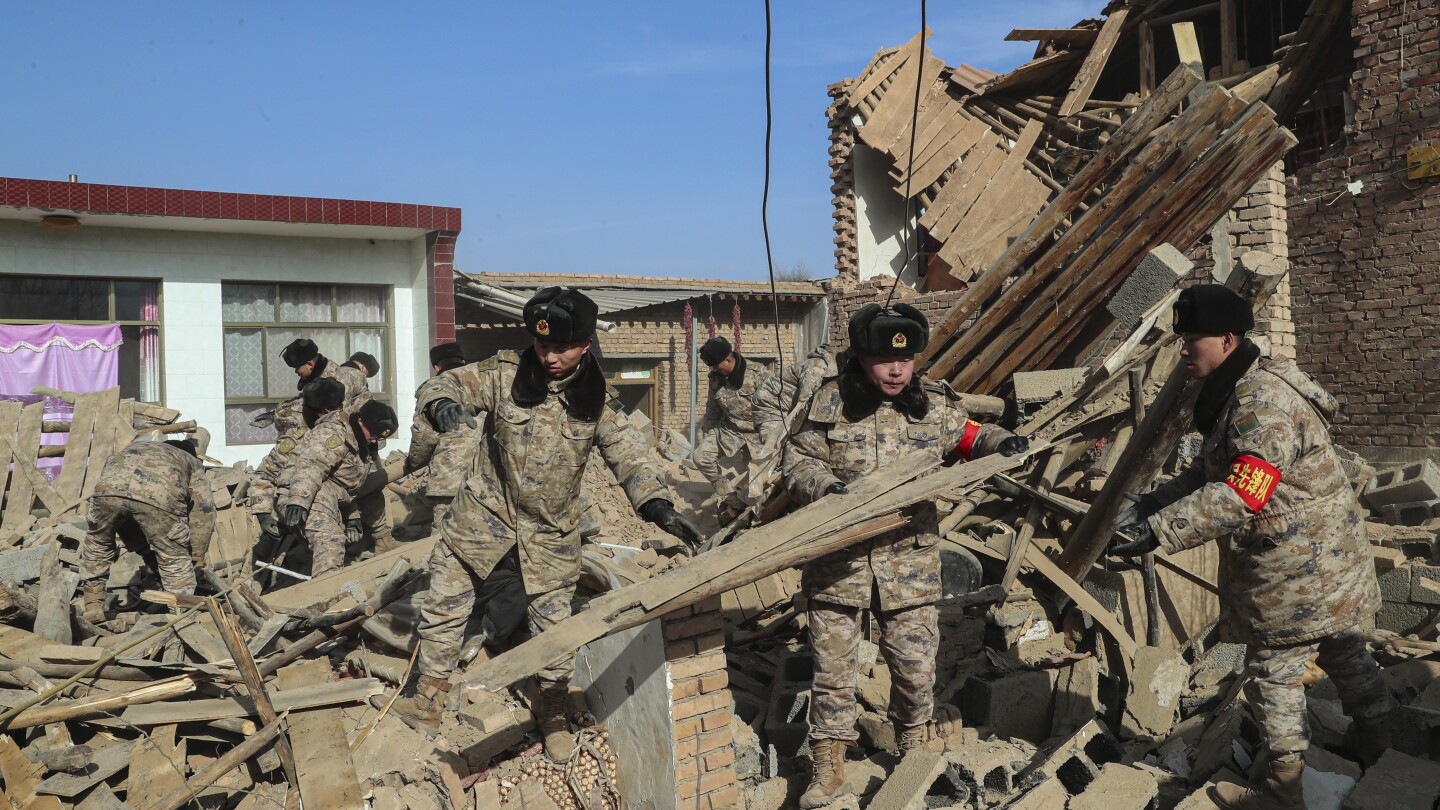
[(1060, 36), (326, 773), (1046, 480), (1188, 45), (830, 524), (1094, 64), (1326, 21), (192, 711), (1229, 46), (1168, 419), (224, 764), (254, 684)]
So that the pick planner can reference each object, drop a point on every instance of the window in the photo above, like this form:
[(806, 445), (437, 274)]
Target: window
[(634, 381), (132, 303), (261, 319)]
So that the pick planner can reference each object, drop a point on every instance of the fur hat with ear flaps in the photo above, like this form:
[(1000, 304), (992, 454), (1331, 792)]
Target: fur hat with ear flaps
[(897, 331)]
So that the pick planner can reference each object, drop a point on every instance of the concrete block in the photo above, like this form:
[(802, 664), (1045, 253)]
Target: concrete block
[(1157, 274), (1047, 795), (18, 567), (1325, 790), (1408, 680), (910, 781), (1415, 731), (876, 732), (1326, 761), (1397, 780), (1411, 513), (1159, 678), (1417, 481), (865, 776), (990, 768), (1118, 787), (1328, 721), (1424, 584), (1015, 705), (1032, 387), (1077, 696)]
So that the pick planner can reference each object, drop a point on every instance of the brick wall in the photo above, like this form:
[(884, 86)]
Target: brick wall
[(1366, 266), (845, 300), (700, 708), (440, 284), (842, 187), (655, 337)]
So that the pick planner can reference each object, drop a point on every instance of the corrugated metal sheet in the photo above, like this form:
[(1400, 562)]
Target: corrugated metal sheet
[(607, 300)]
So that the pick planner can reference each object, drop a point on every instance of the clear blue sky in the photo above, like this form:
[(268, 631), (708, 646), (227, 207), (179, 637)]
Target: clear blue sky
[(609, 137)]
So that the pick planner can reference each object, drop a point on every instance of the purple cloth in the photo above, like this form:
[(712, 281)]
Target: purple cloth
[(68, 357), (59, 355)]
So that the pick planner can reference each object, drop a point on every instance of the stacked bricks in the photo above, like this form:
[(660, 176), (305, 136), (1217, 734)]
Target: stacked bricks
[(845, 300), (700, 708), (1366, 269), (842, 184), (1408, 495), (440, 284)]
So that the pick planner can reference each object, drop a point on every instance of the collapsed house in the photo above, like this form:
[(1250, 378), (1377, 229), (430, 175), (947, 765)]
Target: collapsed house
[(1061, 206)]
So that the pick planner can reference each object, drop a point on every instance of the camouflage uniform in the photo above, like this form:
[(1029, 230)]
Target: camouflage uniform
[(330, 468), (1298, 577), (729, 438), (897, 573), (521, 497), (163, 489), (777, 394), (290, 414), (446, 457), (262, 493)]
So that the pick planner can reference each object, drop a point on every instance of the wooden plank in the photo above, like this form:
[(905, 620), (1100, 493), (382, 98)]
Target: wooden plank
[(996, 200), (77, 447), (47, 493), (1147, 60), (1060, 36), (157, 767), (254, 685), (22, 777), (102, 445), (937, 111), (897, 125), (1018, 550), (327, 774), (205, 645), (874, 503), (1189, 46), (108, 761), (976, 169), (52, 604), (1326, 22), (1229, 47), (195, 711), (22, 490), (933, 163), (1094, 64), (9, 421), (872, 82)]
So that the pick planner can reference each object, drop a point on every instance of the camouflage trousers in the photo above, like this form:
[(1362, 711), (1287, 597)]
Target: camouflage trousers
[(166, 538), (908, 641), (455, 592), (1277, 693), (325, 527)]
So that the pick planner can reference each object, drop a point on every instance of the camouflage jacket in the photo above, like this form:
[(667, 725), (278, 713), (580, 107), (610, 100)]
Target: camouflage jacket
[(523, 485), (262, 492), (165, 477), (329, 452), (289, 415), (446, 457), (902, 566), (727, 408), (1300, 568), (776, 395)]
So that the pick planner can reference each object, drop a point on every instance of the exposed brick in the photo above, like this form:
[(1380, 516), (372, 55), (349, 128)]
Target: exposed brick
[(694, 626), (714, 681), (693, 707), (715, 720), (710, 642), (715, 760), (685, 688), (711, 740), (699, 665), (688, 728), (722, 799), (677, 650)]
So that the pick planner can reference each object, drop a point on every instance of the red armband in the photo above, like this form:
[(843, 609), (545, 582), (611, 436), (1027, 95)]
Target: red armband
[(1254, 480), (966, 445)]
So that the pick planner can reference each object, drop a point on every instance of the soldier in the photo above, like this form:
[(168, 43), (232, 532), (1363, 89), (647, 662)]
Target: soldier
[(309, 364), (875, 410), (161, 488), (318, 398), (729, 439), (541, 412), (365, 363), (329, 468), (445, 356), (1299, 578), (776, 395)]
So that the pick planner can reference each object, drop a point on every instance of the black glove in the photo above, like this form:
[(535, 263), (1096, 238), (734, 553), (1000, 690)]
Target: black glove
[(836, 488), (294, 517), (1013, 446), (1143, 543), (662, 513), (449, 415), (268, 524)]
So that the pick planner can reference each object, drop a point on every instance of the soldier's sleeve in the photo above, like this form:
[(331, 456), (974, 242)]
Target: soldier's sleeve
[(713, 412), (806, 463), (476, 386), (626, 455), (972, 439), (316, 457), (1266, 445), (765, 409), (1190, 479), (423, 440), (202, 513)]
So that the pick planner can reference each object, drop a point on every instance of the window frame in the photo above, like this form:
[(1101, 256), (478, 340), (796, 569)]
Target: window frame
[(387, 326), (158, 323)]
